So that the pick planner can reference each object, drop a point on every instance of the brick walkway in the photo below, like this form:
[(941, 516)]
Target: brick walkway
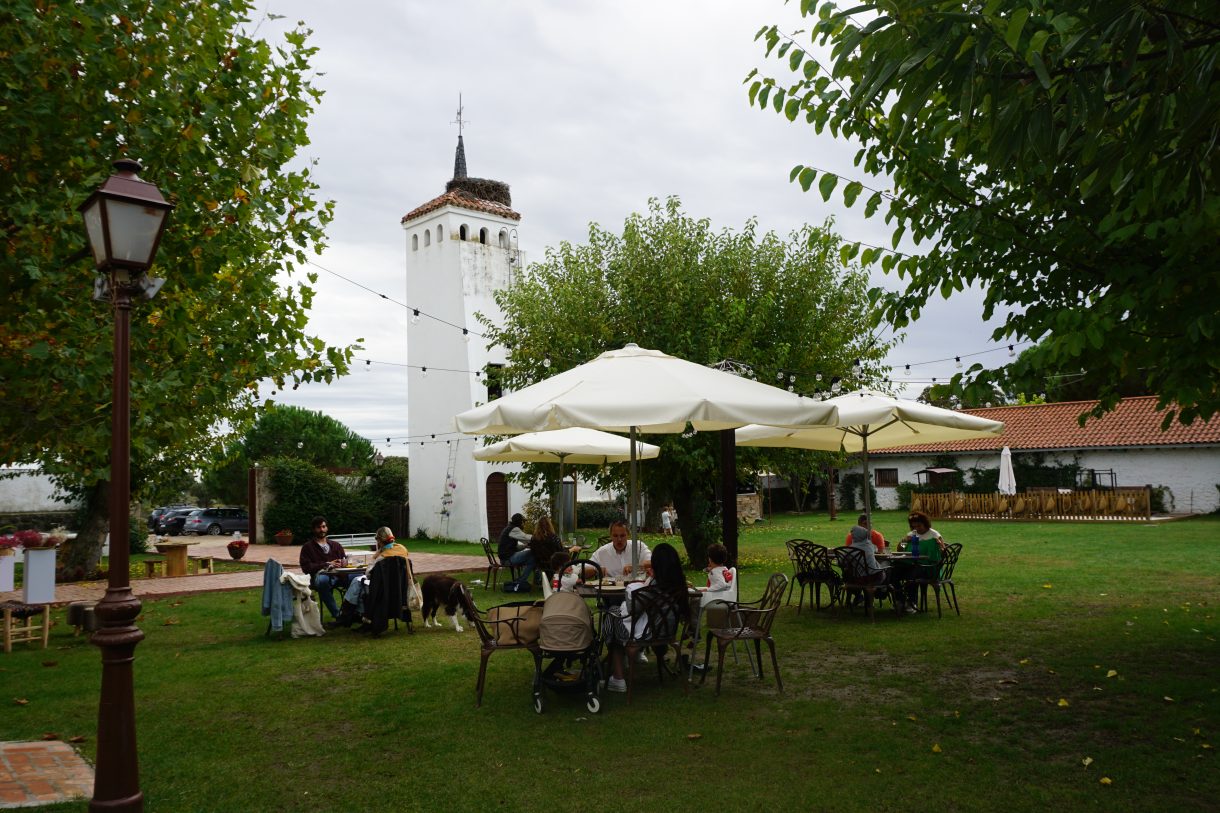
[(40, 773), (424, 564)]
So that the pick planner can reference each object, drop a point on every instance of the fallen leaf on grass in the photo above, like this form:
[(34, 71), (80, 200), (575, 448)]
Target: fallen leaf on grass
[(1168, 699), (1023, 661), (694, 736), (1087, 761), (1105, 780), (50, 735), (50, 663), (1047, 586), (878, 770), (1063, 704), (176, 604), (169, 622), (1112, 673), (1007, 681), (21, 701), (77, 738), (1196, 731), (912, 718), (1206, 747), (935, 748)]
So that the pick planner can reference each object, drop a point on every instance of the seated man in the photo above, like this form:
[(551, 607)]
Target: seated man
[(874, 536), (316, 555), (615, 556), (513, 547)]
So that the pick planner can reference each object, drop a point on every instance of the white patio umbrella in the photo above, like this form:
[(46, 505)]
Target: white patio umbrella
[(867, 419), (638, 390), (1008, 480), (573, 445)]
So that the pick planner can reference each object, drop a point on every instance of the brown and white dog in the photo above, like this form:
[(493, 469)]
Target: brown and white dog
[(441, 590)]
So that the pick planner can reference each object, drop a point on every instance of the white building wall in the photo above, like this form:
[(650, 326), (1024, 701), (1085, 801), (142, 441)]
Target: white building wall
[(1189, 473), (27, 491), (452, 279)]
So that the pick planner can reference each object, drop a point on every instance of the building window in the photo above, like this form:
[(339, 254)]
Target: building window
[(483, 236), (503, 238), (427, 237), (495, 382), (885, 477), (462, 232), (415, 242), (440, 233)]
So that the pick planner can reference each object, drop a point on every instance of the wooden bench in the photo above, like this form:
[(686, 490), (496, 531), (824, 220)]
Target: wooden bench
[(152, 566), (202, 563)]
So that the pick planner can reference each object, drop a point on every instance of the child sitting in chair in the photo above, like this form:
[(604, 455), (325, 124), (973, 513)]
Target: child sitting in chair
[(719, 577)]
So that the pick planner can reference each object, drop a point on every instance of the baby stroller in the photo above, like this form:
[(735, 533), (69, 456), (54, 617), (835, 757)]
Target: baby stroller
[(571, 641)]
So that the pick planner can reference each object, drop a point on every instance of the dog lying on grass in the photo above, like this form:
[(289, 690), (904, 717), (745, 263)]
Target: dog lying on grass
[(439, 591)]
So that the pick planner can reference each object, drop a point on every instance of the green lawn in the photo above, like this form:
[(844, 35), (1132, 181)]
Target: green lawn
[(998, 709)]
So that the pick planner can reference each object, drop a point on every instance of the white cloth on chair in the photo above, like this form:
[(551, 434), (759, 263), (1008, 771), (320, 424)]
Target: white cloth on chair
[(306, 619)]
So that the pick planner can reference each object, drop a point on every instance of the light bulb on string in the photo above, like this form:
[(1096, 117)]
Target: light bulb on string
[(415, 316), (817, 377), (907, 369), (957, 362), (779, 376), (856, 368), (343, 445), (1012, 350), (423, 372), (368, 366), (465, 335), (546, 362), (300, 444)]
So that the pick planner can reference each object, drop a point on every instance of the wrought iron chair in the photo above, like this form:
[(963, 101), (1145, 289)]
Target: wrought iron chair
[(497, 633), (941, 580), (494, 565), (658, 621), (751, 622), (858, 581), (811, 567)]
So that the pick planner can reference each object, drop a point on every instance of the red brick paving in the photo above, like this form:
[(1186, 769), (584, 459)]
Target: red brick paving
[(40, 773), (424, 564)]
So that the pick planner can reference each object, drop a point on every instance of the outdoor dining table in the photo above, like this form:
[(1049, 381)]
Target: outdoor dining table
[(175, 556)]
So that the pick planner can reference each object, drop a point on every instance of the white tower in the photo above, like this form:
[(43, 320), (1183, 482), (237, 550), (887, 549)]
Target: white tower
[(461, 249)]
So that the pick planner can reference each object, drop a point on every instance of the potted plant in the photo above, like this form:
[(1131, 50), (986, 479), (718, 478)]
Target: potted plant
[(237, 546), (283, 537), (7, 563), (38, 575)]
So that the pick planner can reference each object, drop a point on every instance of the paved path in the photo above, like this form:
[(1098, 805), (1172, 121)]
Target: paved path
[(424, 564), (33, 774)]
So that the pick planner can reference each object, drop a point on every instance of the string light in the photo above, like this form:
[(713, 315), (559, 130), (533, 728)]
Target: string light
[(958, 362), (546, 362), (1012, 351), (423, 372), (415, 316), (857, 368), (465, 335)]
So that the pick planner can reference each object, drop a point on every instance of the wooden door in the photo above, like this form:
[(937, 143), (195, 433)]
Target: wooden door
[(497, 505)]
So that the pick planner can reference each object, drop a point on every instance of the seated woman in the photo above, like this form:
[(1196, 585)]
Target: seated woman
[(353, 598), (925, 542), (619, 627)]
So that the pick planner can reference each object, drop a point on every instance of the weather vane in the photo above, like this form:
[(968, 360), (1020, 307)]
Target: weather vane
[(459, 121)]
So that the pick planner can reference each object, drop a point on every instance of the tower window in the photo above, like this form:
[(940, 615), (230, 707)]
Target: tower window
[(427, 237), (440, 233), (483, 236), (503, 238), (415, 242), (463, 232)]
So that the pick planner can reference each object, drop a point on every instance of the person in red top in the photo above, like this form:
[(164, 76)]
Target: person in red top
[(874, 536)]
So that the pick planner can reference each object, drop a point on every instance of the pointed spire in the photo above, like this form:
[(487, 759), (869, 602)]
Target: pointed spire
[(459, 160)]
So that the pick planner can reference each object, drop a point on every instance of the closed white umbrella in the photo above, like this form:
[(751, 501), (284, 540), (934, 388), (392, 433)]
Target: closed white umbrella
[(638, 390), (867, 419), (574, 445), (1008, 479)]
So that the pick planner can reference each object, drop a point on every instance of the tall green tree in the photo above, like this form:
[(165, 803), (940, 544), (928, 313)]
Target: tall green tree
[(1061, 154), (671, 282), (217, 116), (287, 432)]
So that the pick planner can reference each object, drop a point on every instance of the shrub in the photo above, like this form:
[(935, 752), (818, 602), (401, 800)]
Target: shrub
[(597, 514), (137, 535), (303, 491)]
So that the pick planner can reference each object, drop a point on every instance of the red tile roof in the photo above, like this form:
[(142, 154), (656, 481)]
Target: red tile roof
[(1134, 422), (464, 202)]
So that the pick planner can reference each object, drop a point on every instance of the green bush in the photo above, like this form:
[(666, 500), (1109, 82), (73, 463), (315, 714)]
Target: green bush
[(598, 514), (849, 487), (137, 535), (303, 491)]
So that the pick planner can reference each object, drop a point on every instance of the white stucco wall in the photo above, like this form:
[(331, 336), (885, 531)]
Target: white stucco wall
[(29, 491), (452, 279), (1190, 473)]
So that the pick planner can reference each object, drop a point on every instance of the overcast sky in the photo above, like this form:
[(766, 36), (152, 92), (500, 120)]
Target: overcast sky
[(586, 110)]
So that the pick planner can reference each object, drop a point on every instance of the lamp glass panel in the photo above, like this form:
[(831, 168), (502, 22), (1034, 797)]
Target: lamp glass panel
[(93, 228), (133, 231)]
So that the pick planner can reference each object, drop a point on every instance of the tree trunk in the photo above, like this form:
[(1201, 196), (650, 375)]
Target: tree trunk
[(693, 524), (79, 558)]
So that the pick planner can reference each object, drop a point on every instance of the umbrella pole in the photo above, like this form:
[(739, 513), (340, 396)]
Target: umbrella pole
[(868, 500), (631, 513), (559, 503)]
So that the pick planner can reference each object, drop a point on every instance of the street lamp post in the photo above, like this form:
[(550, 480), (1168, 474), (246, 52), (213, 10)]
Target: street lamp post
[(124, 219)]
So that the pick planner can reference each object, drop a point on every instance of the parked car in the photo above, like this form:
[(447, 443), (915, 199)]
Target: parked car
[(157, 513), (171, 522), (216, 521)]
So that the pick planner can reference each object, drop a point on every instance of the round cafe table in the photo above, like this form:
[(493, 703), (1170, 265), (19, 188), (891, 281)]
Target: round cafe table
[(175, 556)]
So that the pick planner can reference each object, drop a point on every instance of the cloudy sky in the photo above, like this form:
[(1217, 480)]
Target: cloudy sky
[(587, 110)]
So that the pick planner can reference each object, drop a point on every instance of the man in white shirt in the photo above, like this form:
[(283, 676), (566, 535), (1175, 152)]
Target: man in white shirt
[(615, 556)]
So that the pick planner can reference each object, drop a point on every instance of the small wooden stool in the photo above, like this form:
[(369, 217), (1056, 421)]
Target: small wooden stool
[(19, 633), (202, 563), (81, 617), (152, 566)]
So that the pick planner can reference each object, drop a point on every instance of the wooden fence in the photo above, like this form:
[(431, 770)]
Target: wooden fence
[(1040, 504)]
